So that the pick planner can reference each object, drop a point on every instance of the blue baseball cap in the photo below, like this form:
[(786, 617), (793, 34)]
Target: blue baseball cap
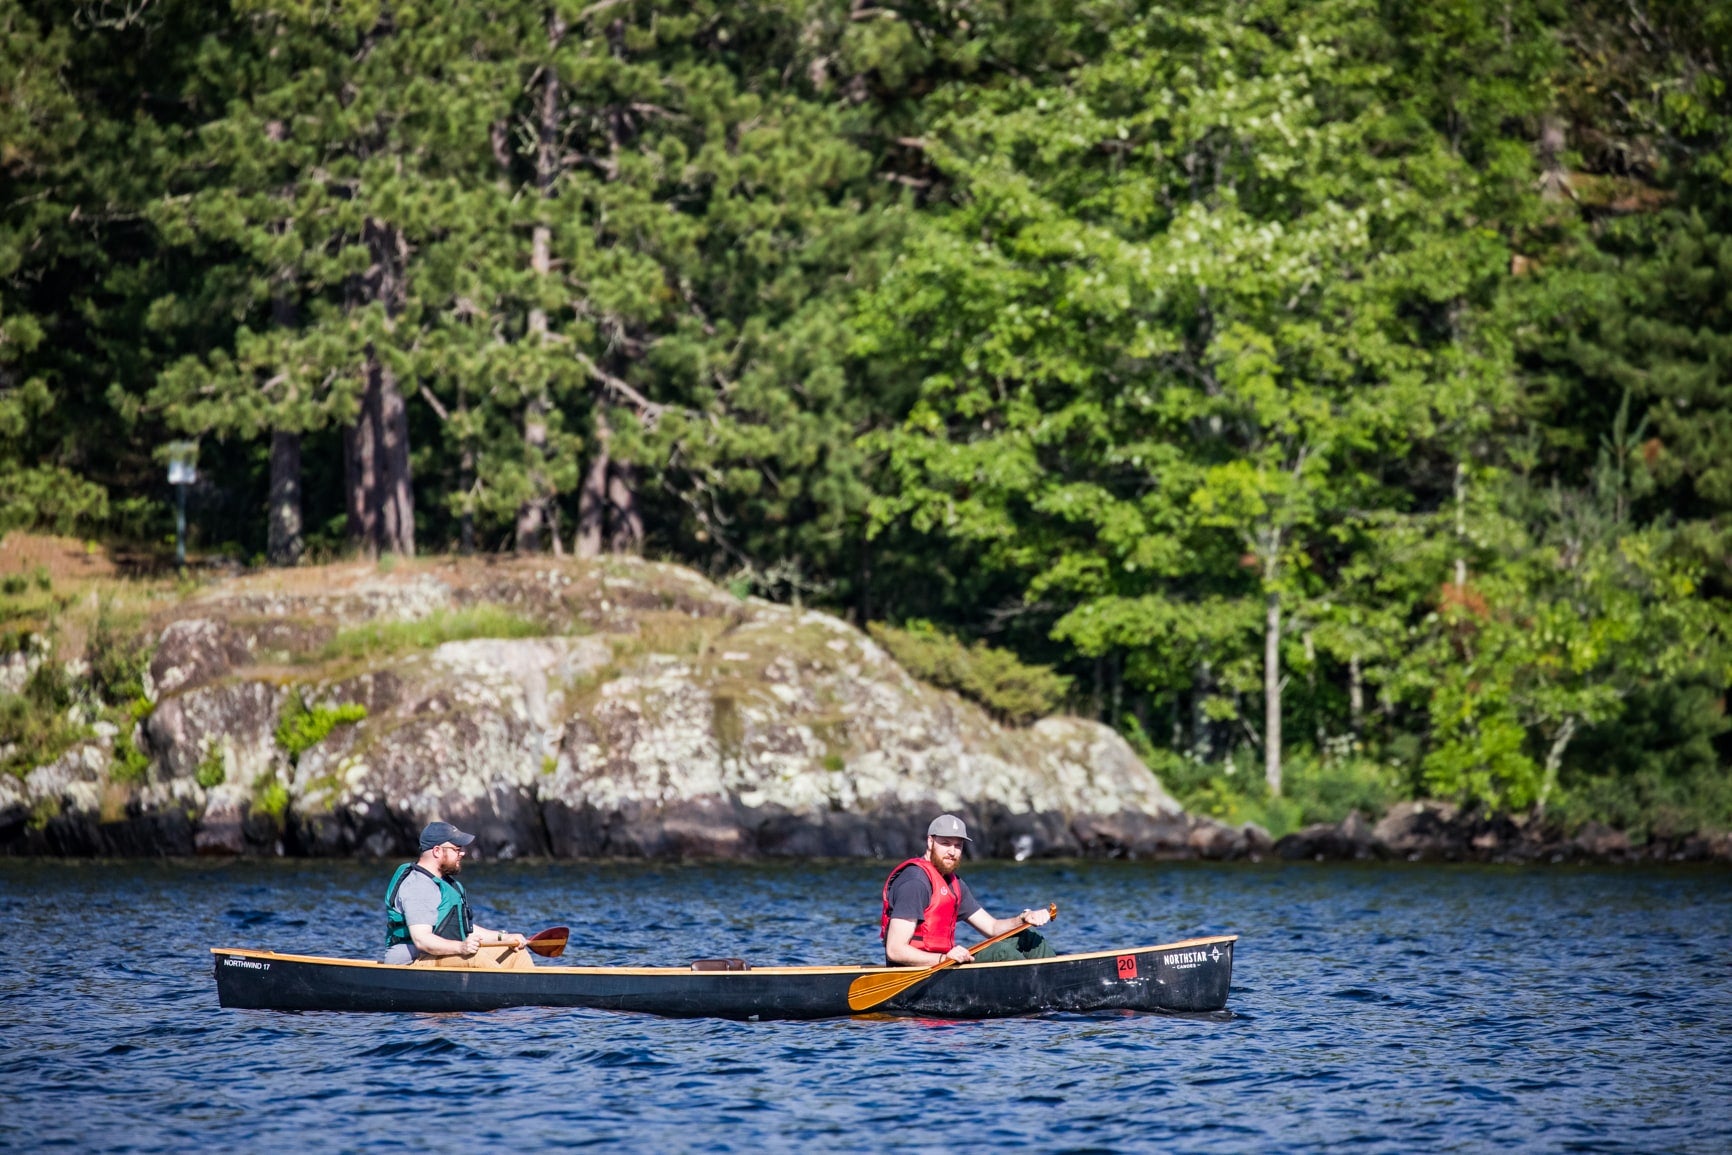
[(439, 833)]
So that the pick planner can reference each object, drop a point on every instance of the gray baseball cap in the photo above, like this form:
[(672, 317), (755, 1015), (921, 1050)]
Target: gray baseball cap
[(438, 833), (948, 826)]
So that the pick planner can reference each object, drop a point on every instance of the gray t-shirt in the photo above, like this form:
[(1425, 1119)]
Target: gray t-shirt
[(418, 899)]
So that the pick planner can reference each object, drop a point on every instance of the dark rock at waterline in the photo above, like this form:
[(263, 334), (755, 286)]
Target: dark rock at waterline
[(1429, 831), (1349, 839)]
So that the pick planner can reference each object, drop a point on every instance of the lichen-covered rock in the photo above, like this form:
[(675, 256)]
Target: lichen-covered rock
[(194, 651)]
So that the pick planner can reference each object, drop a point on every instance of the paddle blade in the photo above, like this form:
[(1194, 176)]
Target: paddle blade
[(550, 943), (868, 991)]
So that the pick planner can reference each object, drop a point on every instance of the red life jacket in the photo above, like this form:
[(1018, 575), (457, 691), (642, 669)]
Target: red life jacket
[(936, 930)]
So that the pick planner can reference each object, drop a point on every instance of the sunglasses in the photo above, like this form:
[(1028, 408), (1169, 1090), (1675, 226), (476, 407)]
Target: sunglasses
[(459, 850)]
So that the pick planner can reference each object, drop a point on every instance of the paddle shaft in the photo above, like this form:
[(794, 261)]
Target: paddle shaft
[(1051, 912), (867, 992)]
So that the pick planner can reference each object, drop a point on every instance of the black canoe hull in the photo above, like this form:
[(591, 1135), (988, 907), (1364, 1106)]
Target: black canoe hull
[(1189, 976)]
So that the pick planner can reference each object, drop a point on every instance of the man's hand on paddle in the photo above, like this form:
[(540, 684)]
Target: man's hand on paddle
[(1036, 917), (959, 953)]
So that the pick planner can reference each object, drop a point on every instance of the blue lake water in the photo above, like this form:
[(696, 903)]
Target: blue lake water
[(1387, 1008)]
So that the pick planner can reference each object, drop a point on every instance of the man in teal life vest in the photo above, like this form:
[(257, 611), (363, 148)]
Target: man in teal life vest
[(426, 911), (923, 899)]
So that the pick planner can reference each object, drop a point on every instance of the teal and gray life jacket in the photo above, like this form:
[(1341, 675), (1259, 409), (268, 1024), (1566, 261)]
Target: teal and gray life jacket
[(452, 921)]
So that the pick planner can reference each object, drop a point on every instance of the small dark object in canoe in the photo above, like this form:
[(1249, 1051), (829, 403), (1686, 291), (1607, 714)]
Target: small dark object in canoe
[(1193, 975)]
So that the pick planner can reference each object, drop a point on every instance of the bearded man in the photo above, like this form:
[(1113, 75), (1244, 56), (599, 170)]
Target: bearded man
[(923, 899), (426, 910)]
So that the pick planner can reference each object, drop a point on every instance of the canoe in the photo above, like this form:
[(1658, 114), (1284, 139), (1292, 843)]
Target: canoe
[(1193, 975)]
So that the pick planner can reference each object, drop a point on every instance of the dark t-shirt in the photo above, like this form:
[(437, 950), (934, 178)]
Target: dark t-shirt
[(911, 890)]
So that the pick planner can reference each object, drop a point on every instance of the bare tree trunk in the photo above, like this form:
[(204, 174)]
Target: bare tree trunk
[(1202, 731), (283, 542), (360, 471), (1461, 525), (535, 515), (396, 525), (1555, 761), (465, 476), (380, 499), (625, 523), (1272, 694), (592, 498), (283, 528), (532, 513), (1355, 695)]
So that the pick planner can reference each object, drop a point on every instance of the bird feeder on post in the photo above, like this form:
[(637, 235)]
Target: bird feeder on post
[(182, 474)]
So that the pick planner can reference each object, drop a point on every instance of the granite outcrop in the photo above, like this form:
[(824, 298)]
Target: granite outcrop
[(613, 708)]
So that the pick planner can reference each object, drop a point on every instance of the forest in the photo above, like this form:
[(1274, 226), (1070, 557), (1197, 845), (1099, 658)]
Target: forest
[(1333, 397)]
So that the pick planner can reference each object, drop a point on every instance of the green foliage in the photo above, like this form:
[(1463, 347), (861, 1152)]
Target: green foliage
[(36, 724), (271, 800), (118, 657), (1358, 366), (1014, 691), (301, 728), (380, 639), (130, 764), (213, 767), (1314, 790)]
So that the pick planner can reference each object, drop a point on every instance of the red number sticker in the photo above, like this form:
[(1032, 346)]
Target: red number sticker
[(1127, 967)]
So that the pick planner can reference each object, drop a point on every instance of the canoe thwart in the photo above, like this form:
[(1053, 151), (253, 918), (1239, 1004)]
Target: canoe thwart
[(720, 964)]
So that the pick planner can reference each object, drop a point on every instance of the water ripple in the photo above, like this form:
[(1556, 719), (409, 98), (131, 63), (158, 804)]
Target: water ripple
[(1392, 1009)]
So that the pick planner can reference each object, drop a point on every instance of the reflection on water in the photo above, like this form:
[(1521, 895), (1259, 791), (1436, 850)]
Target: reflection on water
[(1391, 1008)]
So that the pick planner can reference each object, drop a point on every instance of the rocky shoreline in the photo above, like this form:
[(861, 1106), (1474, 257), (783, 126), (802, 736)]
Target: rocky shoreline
[(1440, 832), (620, 709)]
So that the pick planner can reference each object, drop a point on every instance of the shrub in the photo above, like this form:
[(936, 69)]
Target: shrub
[(118, 658), (300, 728), (1327, 790), (1014, 691), (272, 800), (212, 768), (35, 724), (130, 763)]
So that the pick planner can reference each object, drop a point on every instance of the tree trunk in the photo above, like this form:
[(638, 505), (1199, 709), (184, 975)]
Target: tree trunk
[(465, 476), (1272, 694), (532, 519), (1461, 526), (592, 498), (380, 496), (535, 517), (283, 540), (1355, 695), (1555, 761), (396, 525), (283, 543), (1202, 730), (625, 523), (360, 471)]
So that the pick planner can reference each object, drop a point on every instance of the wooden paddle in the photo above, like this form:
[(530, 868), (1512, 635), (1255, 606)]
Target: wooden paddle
[(549, 943), (868, 991)]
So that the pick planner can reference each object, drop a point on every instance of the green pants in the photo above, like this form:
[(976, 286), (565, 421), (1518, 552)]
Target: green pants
[(1028, 944)]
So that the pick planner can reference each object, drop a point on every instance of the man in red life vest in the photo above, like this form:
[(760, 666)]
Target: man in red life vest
[(923, 899)]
